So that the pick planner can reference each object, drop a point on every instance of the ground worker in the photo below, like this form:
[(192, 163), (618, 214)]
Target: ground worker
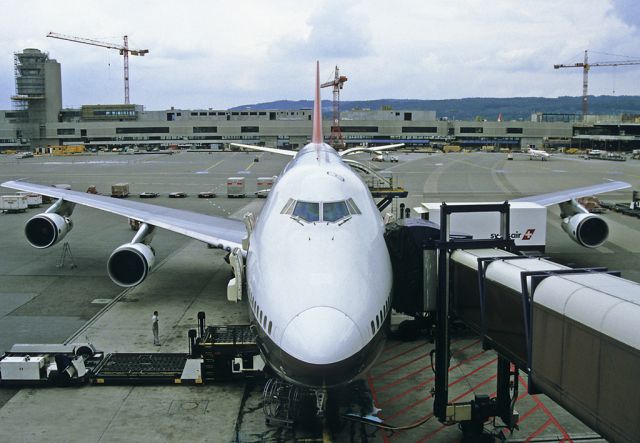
[(154, 327)]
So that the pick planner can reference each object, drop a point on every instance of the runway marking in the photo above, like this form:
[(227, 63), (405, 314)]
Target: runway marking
[(250, 166), (214, 165)]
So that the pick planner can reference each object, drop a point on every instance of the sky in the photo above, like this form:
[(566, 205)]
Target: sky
[(219, 53)]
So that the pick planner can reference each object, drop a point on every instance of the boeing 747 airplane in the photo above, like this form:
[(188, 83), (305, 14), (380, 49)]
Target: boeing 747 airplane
[(323, 323)]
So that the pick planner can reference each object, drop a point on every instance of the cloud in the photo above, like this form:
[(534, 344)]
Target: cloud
[(628, 11), (227, 53), (336, 30)]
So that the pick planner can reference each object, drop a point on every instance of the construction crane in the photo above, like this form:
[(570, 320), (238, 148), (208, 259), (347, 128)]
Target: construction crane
[(585, 75), (335, 139), (123, 49)]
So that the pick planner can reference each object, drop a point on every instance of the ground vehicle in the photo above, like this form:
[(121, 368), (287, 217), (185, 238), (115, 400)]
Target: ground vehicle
[(384, 157), (120, 190), (235, 187)]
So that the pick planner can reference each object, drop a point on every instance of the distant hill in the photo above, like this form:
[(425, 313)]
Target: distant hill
[(513, 108)]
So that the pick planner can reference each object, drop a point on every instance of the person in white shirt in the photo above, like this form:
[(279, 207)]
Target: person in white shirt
[(154, 327)]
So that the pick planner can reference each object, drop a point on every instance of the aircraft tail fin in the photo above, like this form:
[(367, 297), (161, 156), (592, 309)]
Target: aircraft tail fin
[(317, 111)]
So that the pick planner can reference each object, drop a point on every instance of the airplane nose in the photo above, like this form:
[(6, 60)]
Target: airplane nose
[(335, 339)]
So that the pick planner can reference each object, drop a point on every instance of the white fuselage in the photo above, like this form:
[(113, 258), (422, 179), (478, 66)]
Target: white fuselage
[(536, 153), (319, 289)]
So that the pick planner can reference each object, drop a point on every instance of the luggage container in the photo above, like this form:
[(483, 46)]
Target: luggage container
[(263, 186), (13, 203), (120, 190), (235, 187), (33, 200)]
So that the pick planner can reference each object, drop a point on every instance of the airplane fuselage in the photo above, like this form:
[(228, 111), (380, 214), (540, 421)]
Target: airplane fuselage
[(318, 272)]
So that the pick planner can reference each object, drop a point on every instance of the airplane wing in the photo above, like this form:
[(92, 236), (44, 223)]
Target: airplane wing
[(570, 194), (263, 149), (222, 232), (374, 149)]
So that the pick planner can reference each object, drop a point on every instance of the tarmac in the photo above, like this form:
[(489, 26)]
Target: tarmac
[(43, 303)]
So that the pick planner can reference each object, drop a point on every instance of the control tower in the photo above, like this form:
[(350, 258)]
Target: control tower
[(38, 94)]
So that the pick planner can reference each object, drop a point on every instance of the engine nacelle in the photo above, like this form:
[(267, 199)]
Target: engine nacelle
[(47, 229), (130, 264), (587, 230)]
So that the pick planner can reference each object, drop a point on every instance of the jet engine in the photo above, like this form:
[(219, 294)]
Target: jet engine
[(47, 229), (587, 230), (130, 264)]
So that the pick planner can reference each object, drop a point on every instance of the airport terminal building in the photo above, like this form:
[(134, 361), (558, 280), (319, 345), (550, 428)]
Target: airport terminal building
[(38, 120)]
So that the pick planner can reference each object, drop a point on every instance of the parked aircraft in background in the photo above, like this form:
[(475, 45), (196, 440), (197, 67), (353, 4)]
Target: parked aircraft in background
[(537, 153)]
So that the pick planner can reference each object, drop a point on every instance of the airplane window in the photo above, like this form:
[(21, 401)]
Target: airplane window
[(264, 322), (377, 322), (352, 206), (269, 328), (373, 328), (334, 211), (307, 211)]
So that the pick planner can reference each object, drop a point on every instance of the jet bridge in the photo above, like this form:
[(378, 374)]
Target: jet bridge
[(572, 331), (381, 185)]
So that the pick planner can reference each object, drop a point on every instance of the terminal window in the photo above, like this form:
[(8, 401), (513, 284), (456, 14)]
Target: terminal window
[(359, 129), (419, 129), (468, 130), (204, 129), (142, 130), (66, 131), (514, 130)]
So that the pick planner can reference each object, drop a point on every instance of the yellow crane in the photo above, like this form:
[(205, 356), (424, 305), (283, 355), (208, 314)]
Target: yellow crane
[(123, 49), (585, 75)]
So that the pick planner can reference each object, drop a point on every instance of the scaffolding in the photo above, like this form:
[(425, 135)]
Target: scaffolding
[(30, 81)]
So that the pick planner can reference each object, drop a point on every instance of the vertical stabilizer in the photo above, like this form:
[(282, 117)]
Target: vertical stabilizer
[(317, 111)]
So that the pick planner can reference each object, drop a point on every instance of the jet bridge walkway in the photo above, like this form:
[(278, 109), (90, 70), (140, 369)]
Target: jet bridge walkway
[(381, 186), (573, 332)]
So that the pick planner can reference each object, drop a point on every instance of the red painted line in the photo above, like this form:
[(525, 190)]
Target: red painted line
[(464, 394), (399, 355), (544, 426), (549, 414), (420, 385), (473, 357), (397, 368), (524, 416), (374, 395), (391, 346), (406, 408), (400, 380)]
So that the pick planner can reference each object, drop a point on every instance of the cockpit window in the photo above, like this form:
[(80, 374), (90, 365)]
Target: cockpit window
[(352, 206), (307, 211), (288, 208), (334, 211), (310, 211)]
